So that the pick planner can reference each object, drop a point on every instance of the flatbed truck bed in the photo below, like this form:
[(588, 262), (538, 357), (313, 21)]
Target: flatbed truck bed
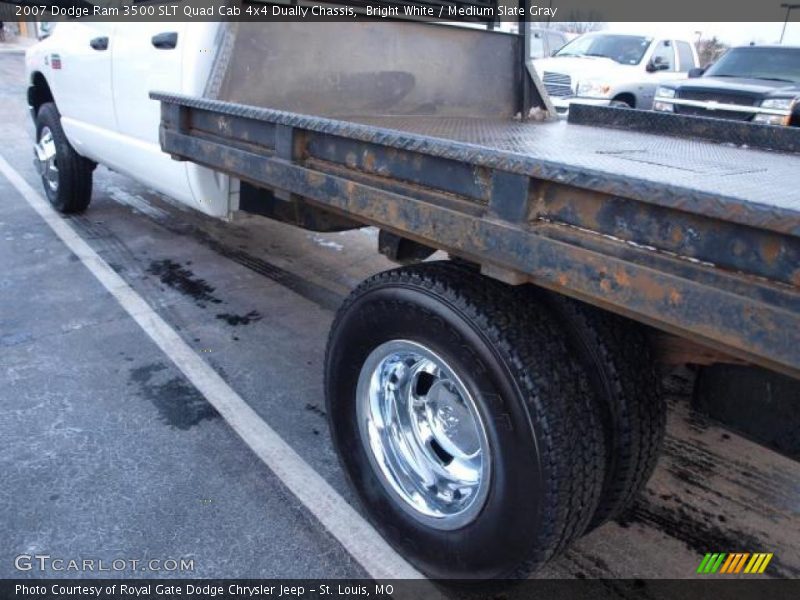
[(688, 225)]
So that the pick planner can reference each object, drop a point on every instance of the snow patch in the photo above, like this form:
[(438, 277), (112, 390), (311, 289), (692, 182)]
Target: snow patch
[(321, 241)]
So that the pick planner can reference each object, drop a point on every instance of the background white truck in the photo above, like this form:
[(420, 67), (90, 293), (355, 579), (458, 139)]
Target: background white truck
[(614, 69)]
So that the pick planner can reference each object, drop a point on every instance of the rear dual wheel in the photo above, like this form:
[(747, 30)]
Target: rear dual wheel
[(615, 354), (467, 430), (486, 427)]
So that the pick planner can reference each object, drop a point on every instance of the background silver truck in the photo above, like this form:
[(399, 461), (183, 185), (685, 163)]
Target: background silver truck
[(614, 69)]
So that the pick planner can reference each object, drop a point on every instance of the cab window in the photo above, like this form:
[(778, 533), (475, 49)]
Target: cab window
[(555, 41), (685, 56), (537, 45)]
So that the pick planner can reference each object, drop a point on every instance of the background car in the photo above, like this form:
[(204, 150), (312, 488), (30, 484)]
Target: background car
[(750, 83), (615, 69)]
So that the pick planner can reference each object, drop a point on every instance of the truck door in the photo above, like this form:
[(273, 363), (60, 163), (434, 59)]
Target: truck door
[(147, 56), (79, 74)]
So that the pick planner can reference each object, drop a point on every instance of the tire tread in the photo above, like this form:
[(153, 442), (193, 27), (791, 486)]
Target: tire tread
[(618, 351)]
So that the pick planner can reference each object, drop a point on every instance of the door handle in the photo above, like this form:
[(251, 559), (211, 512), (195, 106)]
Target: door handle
[(165, 41), (99, 43)]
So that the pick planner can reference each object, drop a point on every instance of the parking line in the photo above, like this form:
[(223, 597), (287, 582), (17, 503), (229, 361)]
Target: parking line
[(352, 531)]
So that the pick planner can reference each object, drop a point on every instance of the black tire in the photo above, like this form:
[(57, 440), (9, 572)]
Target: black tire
[(616, 354), (74, 189), (545, 438)]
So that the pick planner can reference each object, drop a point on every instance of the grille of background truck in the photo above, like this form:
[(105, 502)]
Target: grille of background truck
[(557, 84)]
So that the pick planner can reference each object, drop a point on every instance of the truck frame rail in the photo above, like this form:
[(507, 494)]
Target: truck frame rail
[(699, 238)]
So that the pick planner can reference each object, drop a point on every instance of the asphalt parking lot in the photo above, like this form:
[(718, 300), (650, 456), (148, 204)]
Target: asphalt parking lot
[(111, 452)]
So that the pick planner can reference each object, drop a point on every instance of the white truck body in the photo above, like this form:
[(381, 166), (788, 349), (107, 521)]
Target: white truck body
[(118, 65)]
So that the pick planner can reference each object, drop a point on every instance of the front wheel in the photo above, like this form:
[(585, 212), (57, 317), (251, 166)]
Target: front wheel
[(616, 103), (464, 426), (66, 175)]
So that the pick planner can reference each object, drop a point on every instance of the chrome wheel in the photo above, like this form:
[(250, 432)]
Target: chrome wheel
[(45, 151), (424, 433)]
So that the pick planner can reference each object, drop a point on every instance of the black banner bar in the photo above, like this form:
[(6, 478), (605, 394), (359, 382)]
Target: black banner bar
[(741, 588), (484, 11)]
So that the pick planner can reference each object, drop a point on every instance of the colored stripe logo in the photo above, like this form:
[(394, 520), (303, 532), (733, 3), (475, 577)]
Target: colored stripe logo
[(734, 563)]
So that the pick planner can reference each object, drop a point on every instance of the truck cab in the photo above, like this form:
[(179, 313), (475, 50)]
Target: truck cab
[(614, 69), (118, 65)]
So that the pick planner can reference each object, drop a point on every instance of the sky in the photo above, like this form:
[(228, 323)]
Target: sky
[(730, 33)]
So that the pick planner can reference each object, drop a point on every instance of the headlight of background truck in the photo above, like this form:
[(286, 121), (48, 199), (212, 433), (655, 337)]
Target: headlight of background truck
[(663, 93), (776, 104), (594, 88)]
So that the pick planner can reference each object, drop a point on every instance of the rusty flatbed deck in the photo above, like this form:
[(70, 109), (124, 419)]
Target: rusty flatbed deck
[(696, 175), (698, 238)]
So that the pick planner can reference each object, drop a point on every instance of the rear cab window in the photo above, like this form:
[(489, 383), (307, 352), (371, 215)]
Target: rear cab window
[(685, 56)]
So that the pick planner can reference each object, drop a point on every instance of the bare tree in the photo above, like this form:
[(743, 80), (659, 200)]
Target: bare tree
[(709, 50), (580, 23)]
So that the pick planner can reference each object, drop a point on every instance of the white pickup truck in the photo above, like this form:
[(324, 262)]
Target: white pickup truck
[(614, 69), (89, 86), (491, 409)]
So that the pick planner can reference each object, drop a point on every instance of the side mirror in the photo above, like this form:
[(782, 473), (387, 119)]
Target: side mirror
[(657, 64), (696, 72)]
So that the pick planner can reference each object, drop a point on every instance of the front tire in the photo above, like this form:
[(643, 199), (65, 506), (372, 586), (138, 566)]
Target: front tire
[(502, 401), (66, 175)]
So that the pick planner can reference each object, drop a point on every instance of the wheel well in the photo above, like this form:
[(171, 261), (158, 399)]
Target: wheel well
[(39, 92), (627, 98)]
